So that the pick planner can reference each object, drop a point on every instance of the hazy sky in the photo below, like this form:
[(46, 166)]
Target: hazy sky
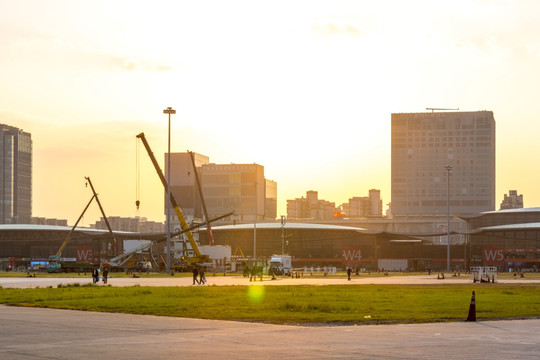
[(304, 88)]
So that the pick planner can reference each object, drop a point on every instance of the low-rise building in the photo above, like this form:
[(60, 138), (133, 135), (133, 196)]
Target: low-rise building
[(512, 201), (362, 207), (310, 207)]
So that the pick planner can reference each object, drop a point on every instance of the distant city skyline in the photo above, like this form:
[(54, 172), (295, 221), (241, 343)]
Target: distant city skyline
[(305, 89)]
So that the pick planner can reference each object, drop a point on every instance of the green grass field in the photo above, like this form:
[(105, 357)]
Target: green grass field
[(357, 304)]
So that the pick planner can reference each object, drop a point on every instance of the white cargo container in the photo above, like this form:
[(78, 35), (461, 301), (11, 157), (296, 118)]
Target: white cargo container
[(281, 263), (220, 255)]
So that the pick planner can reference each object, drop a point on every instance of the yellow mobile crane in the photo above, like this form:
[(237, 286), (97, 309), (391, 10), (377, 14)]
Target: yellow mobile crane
[(199, 258)]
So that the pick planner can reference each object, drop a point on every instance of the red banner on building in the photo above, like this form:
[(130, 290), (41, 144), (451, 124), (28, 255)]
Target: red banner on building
[(493, 255), (351, 256)]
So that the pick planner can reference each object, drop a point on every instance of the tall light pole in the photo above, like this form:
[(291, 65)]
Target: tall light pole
[(255, 225), (448, 168), (169, 111)]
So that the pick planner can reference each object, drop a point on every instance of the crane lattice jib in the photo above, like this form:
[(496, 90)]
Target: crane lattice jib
[(177, 210)]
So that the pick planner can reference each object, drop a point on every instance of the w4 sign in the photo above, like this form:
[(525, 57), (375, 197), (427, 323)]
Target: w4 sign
[(351, 256)]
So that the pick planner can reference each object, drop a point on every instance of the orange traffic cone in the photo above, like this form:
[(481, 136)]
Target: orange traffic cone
[(472, 309)]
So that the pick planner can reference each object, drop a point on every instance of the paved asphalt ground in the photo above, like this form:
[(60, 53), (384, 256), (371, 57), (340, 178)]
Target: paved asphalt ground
[(239, 280), (34, 333)]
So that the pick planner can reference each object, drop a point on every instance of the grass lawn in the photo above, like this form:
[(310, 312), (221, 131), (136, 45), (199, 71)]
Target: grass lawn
[(356, 304)]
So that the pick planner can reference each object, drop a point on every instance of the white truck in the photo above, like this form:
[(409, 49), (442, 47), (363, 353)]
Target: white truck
[(281, 264)]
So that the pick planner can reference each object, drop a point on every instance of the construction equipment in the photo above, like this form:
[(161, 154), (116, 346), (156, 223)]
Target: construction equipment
[(104, 216), (55, 262), (199, 258), (210, 235), (121, 260)]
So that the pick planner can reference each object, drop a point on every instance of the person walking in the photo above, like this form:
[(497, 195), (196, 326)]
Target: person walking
[(95, 275), (195, 273), (105, 275), (202, 279)]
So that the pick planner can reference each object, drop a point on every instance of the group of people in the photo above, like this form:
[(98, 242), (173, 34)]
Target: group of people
[(201, 280), (95, 275)]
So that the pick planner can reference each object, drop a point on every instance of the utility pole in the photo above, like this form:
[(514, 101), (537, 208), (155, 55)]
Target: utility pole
[(448, 168), (169, 111)]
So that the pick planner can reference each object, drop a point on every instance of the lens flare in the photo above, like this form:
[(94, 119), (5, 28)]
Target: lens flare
[(256, 293)]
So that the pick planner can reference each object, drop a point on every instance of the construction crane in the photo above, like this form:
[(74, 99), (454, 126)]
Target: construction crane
[(199, 258), (120, 260), (103, 213), (55, 264), (210, 235)]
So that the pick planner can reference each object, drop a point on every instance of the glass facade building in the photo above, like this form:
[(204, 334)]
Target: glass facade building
[(15, 176)]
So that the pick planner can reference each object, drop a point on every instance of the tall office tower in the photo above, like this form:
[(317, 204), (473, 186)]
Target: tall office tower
[(424, 148), (15, 176)]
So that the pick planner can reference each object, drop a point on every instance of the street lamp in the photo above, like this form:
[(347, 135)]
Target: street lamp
[(448, 168), (255, 224), (169, 111)]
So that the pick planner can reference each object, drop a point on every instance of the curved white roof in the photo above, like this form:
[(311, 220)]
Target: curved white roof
[(33, 227), (511, 227), (287, 226), (501, 212)]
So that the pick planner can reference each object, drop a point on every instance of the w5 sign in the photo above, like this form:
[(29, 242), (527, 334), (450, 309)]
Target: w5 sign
[(351, 256), (493, 255)]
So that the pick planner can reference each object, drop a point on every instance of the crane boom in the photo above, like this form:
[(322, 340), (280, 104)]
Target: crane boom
[(177, 209), (210, 235), (68, 238), (103, 213)]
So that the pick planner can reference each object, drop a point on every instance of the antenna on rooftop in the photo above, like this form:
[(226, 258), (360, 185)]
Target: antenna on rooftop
[(440, 109)]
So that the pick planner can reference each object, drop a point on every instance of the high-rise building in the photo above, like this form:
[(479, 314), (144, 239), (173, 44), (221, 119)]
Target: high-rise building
[(241, 188), (15, 175), (430, 149), (512, 201)]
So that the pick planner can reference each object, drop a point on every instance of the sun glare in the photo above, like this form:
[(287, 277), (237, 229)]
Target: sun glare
[(256, 293)]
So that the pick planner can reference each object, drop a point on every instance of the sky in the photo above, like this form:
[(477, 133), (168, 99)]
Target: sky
[(304, 88)]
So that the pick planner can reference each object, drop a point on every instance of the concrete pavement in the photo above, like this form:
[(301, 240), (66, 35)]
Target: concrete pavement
[(35, 333), (239, 280)]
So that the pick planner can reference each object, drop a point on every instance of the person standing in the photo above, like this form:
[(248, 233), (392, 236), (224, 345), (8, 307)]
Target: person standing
[(105, 275), (349, 271), (195, 273), (94, 275)]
